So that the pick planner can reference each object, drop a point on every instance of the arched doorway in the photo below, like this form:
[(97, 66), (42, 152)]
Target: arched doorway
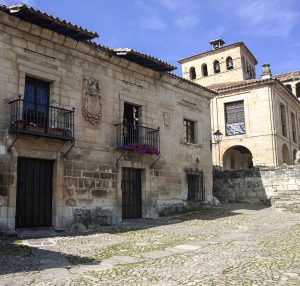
[(237, 157), (285, 154)]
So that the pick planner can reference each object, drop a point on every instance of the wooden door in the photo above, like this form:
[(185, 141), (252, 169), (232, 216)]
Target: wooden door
[(131, 193), (34, 193)]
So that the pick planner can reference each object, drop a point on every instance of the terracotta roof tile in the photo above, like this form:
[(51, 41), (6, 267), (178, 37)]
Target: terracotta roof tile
[(144, 59), (288, 75), (228, 85), (27, 13)]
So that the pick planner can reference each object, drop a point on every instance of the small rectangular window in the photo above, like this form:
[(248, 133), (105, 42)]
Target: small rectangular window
[(235, 118), (189, 131), (283, 120), (195, 186)]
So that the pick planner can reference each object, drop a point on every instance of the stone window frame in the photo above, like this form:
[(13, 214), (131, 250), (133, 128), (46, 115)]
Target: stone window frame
[(217, 67), (228, 122), (190, 131), (228, 61), (293, 127), (283, 119), (192, 73), (204, 70)]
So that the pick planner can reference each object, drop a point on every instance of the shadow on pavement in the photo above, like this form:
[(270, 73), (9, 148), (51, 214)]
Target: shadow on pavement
[(40, 254)]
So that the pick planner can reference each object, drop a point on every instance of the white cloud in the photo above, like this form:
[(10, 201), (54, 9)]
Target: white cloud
[(268, 17), (151, 18), (188, 21), (183, 12)]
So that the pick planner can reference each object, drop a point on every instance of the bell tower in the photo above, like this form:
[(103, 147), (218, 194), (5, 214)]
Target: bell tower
[(222, 63)]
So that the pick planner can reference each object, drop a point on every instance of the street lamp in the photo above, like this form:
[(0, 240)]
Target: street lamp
[(217, 138)]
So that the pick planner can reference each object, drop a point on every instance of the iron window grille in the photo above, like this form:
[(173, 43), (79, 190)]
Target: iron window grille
[(196, 190)]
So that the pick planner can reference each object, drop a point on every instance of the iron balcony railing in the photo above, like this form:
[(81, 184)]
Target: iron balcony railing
[(42, 120), (138, 138)]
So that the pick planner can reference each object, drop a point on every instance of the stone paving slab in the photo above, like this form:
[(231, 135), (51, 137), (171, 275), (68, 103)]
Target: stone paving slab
[(120, 260), (234, 246), (157, 254), (187, 247)]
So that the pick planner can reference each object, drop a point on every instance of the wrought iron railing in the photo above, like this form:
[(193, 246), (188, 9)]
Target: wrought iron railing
[(137, 138), (42, 120)]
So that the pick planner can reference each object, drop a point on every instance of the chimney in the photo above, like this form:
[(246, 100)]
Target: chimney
[(216, 44), (266, 72)]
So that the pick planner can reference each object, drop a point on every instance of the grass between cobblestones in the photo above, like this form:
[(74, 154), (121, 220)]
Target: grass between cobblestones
[(13, 248), (146, 240), (124, 249)]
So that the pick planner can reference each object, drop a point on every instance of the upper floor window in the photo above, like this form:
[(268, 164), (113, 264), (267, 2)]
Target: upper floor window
[(293, 119), (235, 118), (229, 63), (298, 89), (289, 87), (131, 114), (36, 101), (217, 67), (189, 131), (283, 120), (192, 73), (248, 69), (204, 70)]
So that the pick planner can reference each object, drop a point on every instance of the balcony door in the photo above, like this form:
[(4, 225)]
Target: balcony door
[(36, 102), (131, 124)]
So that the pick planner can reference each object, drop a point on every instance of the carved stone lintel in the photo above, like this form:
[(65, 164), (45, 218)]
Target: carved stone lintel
[(92, 100)]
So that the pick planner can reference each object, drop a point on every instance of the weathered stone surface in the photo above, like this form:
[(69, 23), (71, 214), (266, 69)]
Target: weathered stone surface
[(266, 185)]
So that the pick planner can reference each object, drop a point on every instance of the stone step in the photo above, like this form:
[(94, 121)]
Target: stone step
[(294, 192), (286, 197), (286, 204)]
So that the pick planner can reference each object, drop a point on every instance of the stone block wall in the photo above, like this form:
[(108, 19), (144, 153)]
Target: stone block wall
[(255, 185), (88, 178)]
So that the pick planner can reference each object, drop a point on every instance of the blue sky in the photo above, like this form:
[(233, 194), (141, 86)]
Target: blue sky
[(173, 29)]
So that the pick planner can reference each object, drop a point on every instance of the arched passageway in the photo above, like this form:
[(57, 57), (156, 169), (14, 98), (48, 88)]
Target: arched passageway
[(237, 157)]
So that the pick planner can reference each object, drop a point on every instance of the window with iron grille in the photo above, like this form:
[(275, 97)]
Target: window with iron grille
[(189, 130), (235, 118), (195, 186), (283, 120)]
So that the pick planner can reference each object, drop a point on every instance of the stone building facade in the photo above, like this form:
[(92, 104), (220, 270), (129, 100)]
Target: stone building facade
[(92, 133), (292, 81), (258, 117)]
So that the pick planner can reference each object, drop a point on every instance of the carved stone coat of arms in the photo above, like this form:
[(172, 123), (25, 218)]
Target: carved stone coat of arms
[(92, 100)]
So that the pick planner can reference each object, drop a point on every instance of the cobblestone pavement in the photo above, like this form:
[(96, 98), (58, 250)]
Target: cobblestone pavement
[(237, 244)]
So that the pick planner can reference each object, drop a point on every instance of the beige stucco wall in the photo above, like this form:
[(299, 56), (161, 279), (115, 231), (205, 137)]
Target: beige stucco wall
[(238, 72), (263, 124), (89, 177)]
